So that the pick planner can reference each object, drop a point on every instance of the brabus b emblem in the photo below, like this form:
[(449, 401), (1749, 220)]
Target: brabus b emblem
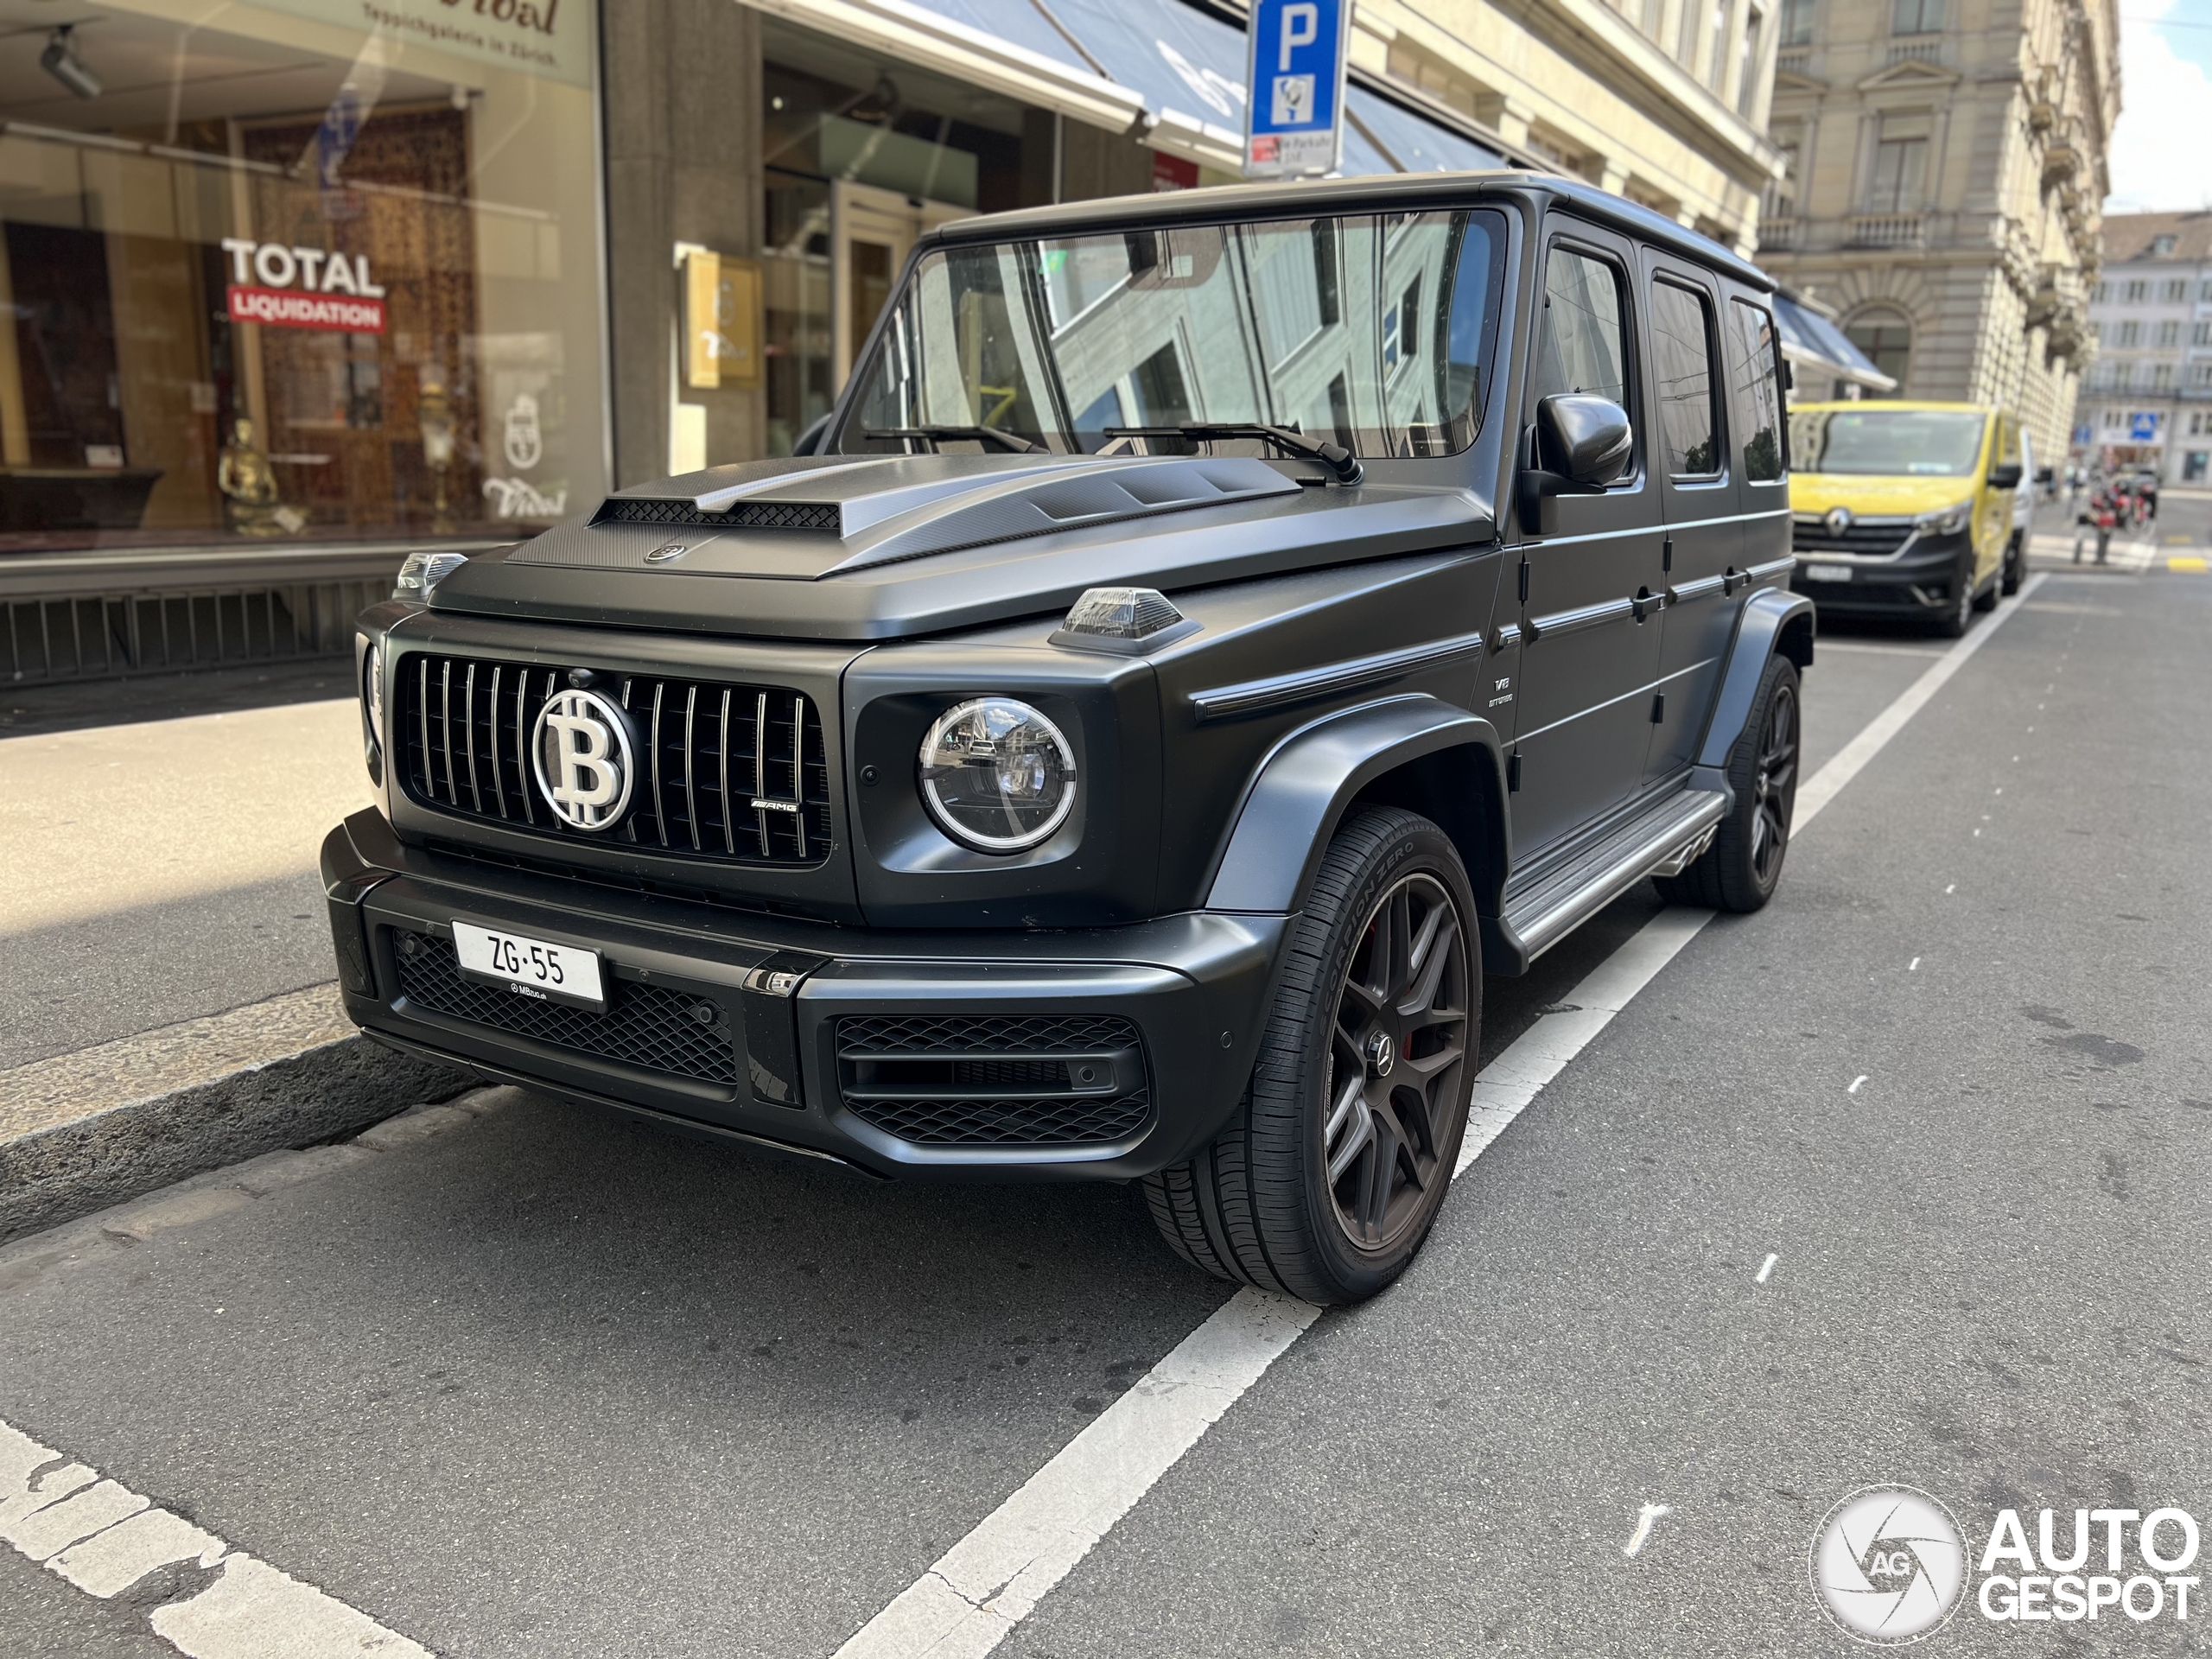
[(1838, 521), (581, 752)]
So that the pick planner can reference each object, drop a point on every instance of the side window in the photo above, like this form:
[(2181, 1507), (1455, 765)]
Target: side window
[(1585, 344), (1681, 363), (1757, 394)]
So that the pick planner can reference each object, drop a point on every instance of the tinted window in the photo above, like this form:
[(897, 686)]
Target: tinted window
[(1375, 331), (1758, 375), (1583, 344), (1681, 362)]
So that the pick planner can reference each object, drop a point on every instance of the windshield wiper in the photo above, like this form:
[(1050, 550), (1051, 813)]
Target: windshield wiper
[(936, 436), (1289, 440)]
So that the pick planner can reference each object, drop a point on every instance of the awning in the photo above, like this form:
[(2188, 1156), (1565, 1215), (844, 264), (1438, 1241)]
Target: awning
[(1809, 339), (1173, 72)]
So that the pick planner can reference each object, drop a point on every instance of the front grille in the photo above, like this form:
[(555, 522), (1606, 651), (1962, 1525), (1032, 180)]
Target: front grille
[(649, 1026), (1010, 1122), (745, 515), (1007, 1080), (1869, 539), (725, 772)]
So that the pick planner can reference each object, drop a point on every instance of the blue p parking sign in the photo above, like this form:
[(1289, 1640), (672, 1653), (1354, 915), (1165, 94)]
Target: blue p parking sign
[(1296, 77)]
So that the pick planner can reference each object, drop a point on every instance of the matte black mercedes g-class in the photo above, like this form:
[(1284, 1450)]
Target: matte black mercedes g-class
[(1210, 633)]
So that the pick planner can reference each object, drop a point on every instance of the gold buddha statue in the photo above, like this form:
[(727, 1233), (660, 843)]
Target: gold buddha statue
[(252, 505)]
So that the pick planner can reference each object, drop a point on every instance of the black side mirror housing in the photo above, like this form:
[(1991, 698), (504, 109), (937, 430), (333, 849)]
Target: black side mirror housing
[(1580, 445), (2005, 475)]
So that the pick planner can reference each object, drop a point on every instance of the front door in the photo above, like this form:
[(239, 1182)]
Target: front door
[(871, 232), (1589, 624), (1700, 486)]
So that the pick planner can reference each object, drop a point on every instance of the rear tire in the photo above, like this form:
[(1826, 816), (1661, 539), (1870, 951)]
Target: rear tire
[(1742, 868), (2016, 558), (1330, 1175)]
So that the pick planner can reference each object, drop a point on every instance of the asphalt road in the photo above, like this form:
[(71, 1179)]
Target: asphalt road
[(548, 1384)]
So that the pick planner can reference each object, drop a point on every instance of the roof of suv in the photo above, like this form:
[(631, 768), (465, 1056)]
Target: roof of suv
[(1372, 195)]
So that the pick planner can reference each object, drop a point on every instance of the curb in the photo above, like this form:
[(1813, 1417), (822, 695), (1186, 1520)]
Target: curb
[(333, 1089)]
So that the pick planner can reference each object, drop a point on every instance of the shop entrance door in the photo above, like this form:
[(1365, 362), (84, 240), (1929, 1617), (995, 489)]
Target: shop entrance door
[(871, 233)]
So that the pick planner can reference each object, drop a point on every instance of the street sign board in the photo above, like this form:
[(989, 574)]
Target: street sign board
[(1295, 74), (2142, 426)]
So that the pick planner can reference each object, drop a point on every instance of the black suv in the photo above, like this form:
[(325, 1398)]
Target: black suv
[(1211, 633)]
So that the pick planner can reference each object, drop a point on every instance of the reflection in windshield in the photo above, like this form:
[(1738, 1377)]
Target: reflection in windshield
[(1373, 332), (1887, 442)]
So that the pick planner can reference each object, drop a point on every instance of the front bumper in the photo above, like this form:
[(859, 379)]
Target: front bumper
[(769, 1059), (1923, 578)]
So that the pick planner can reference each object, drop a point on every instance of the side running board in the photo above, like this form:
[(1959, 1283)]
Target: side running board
[(1659, 840)]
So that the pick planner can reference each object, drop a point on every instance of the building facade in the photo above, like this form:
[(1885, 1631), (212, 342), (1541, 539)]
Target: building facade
[(1944, 165), (2148, 401), (290, 273)]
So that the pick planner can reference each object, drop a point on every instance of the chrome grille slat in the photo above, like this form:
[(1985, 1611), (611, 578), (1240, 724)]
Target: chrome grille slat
[(522, 744), (445, 728), (705, 719), (690, 799), (660, 807), (729, 831), (760, 768), (492, 703), (468, 734)]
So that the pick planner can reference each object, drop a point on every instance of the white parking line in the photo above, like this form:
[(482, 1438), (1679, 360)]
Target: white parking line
[(104, 1538), (977, 1591)]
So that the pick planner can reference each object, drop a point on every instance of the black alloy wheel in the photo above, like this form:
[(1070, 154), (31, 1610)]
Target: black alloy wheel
[(1957, 616), (1328, 1177), (1396, 1053), (1742, 868), (1775, 789)]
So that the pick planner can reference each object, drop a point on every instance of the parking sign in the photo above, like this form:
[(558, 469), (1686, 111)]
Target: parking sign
[(1296, 77)]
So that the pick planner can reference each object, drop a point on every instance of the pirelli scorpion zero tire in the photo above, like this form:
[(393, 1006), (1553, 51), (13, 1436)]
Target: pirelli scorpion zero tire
[(1326, 1181), (1743, 867)]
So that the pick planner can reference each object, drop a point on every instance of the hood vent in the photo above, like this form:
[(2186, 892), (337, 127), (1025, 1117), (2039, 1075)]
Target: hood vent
[(744, 515)]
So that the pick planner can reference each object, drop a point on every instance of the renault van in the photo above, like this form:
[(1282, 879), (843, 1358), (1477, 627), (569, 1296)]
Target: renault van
[(1906, 509)]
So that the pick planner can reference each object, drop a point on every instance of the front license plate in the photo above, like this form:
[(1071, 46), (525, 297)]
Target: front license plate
[(533, 968), (1827, 572)]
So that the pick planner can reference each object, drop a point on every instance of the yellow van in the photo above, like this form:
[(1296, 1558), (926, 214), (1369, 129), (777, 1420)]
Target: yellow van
[(1905, 509)]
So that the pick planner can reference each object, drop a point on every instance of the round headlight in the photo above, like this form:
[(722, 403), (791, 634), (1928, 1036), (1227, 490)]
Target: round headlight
[(373, 688), (997, 775)]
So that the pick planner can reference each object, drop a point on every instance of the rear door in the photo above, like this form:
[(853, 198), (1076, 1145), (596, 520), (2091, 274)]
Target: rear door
[(1582, 707)]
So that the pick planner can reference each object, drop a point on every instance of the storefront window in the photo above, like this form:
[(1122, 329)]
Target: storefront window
[(274, 278)]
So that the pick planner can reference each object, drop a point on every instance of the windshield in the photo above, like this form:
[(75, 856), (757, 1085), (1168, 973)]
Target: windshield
[(1887, 442), (1373, 332)]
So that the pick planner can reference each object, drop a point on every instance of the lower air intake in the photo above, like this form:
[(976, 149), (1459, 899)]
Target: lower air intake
[(1004, 1080)]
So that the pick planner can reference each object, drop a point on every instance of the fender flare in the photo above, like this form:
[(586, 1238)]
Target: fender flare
[(1771, 620), (1300, 791)]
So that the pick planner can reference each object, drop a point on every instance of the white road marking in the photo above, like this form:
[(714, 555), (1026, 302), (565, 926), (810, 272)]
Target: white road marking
[(1644, 1517), (1913, 967), (1855, 1082), (104, 1538), (1765, 1268), (1953, 888), (978, 1590), (1825, 785)]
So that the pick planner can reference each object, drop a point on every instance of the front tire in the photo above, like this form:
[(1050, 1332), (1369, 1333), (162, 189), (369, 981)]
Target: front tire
[(1742, 868), (1327, 1179)]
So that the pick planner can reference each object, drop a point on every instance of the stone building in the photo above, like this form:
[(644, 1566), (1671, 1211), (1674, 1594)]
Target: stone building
[(1664, 101), (2148, 402), (1945, 162)]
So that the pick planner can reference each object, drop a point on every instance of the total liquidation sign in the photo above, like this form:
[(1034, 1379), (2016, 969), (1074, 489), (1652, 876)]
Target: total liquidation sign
[(302, 288)]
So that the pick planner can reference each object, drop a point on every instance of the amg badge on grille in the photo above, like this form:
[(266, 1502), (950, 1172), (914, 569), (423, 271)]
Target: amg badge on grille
[(582, 758)]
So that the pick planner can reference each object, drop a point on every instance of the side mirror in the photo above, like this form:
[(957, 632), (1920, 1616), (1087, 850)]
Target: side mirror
[(2005, 475), (1580, 444), (2044, 475), (1586, 441)]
